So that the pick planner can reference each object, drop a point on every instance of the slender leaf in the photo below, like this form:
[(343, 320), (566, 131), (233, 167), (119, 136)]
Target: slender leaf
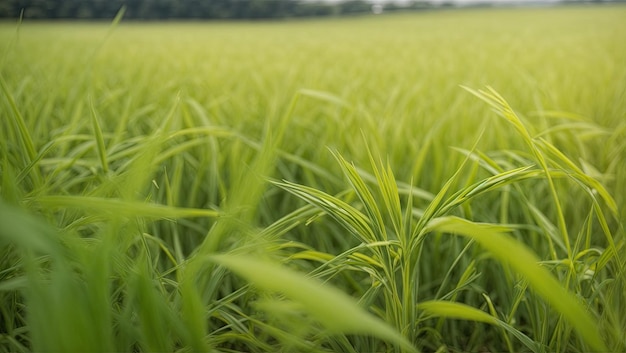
[(525, 262), (334, 309)]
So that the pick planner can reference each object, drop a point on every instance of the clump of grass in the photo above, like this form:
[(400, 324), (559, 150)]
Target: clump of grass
[(394, 245)]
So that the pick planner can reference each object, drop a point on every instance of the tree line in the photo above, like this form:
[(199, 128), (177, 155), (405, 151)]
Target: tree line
[(188, 9)]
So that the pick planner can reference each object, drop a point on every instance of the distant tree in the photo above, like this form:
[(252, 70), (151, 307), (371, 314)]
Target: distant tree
[(33, 8), (12, 8), (266, 9), (67, 9), (420, 5), (313, 9), (180, 9), (354, 7)]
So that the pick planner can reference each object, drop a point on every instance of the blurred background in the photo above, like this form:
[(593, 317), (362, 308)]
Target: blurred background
[(241, 9)]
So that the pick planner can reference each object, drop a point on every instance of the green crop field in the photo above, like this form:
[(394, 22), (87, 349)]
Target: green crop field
[(443, 181)]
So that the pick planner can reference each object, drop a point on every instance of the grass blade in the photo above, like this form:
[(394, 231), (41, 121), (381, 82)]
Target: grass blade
[(335, 310), (18, 119), (452, 310), (102, 154), (349, 217), (124, 208), (525, 262), (502, 108)]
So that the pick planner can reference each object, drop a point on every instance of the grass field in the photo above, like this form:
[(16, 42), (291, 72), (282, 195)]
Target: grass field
[(446, 181)]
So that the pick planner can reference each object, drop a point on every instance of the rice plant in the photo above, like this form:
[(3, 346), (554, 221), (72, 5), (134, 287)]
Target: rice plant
[(348, 185)]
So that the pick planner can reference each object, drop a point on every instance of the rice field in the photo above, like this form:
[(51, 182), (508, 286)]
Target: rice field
[(446, 181)]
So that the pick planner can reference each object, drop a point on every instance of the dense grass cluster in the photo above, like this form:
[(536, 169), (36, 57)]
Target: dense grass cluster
[(451, 181)]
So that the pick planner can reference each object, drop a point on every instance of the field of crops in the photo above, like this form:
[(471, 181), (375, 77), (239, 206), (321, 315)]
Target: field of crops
[(444, 181)]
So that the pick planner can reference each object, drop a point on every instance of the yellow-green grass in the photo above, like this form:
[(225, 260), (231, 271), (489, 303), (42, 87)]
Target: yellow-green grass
[(298, 185)]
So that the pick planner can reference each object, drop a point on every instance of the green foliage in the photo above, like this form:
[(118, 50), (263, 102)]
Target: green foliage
[(331, 307), (315, 186), (525, 263), (184, 9)]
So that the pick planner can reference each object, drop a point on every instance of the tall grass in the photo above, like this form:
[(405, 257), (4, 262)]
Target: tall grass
[(346, 185)]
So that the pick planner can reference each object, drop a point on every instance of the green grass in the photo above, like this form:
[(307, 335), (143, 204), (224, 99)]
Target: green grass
[(447, 181)]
